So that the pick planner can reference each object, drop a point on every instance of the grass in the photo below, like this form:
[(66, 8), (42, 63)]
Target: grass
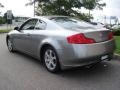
[(4, 31), (117, 41)]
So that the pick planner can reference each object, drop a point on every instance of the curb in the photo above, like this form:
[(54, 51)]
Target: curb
[(116, 56)]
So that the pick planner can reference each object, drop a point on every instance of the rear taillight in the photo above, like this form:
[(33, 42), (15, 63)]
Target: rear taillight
[(110, 35), (80, 39)]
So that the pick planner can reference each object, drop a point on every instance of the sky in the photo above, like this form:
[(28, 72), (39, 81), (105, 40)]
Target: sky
[(19, 9), (112, 9), (17, 6)]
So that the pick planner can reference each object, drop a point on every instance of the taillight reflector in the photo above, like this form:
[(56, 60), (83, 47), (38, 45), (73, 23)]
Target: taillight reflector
[(110, 35), (80, 39)]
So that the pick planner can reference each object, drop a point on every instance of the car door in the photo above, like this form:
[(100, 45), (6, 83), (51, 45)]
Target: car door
[(38, 36), (23, 40)]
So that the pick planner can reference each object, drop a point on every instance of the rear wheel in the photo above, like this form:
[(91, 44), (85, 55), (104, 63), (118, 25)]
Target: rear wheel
[(51, 60), (10, 45)]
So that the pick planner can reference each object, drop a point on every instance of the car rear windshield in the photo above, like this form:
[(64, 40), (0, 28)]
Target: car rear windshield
[(71, 23)]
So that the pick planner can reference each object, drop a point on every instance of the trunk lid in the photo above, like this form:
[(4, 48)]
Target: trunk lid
[(98, 36)]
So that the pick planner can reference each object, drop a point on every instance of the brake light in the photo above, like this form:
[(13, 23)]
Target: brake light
[(110, 35), (80, 39)]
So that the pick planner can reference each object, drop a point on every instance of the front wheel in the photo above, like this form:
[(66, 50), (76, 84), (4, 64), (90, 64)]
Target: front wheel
[(51, 60), (10, 45)]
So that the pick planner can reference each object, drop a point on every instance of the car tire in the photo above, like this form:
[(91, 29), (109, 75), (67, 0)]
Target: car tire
[(10, 45), (51, 60)]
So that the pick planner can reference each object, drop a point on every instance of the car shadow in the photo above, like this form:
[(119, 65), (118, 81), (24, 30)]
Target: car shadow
[(28, 57), (103, 69)]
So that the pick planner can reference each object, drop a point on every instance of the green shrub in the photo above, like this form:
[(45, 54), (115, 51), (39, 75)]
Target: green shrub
[(116, 32), (117, 41), (4, 31), (2, 20)]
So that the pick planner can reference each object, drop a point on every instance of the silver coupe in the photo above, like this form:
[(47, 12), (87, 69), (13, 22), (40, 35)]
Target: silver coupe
[(62, 42)]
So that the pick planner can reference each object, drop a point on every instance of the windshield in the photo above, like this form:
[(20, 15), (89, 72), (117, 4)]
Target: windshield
[(70, 23)]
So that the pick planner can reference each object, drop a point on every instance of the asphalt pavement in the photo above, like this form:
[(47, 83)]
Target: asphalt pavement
[(21, 72)]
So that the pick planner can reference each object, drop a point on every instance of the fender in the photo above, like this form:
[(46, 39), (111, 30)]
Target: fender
[(50, 41)]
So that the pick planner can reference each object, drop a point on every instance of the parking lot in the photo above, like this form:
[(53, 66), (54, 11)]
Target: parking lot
[(21, 72)]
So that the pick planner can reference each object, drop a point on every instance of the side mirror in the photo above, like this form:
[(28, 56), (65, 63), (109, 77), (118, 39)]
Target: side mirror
[(16, 28)]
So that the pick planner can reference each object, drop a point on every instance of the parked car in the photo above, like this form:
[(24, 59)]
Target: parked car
[(62, 42)]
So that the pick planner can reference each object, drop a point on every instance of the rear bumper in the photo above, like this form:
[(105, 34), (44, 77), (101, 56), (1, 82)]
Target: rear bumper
[(88, 60), (79, 55)]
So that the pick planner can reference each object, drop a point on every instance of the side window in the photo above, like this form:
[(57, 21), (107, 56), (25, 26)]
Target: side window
[(29, 25), (41, 25)]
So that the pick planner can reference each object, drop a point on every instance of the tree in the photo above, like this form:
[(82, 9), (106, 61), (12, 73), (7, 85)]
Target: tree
[(58, 7), (2, 20), (65, 7), (93, 4), (8, 18), (1, 5)]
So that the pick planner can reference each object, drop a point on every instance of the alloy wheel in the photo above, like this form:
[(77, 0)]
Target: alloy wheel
[(9, 44), (51, 60)]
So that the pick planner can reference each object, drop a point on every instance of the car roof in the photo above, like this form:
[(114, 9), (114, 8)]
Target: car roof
[(49, 17), (53, 16)]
